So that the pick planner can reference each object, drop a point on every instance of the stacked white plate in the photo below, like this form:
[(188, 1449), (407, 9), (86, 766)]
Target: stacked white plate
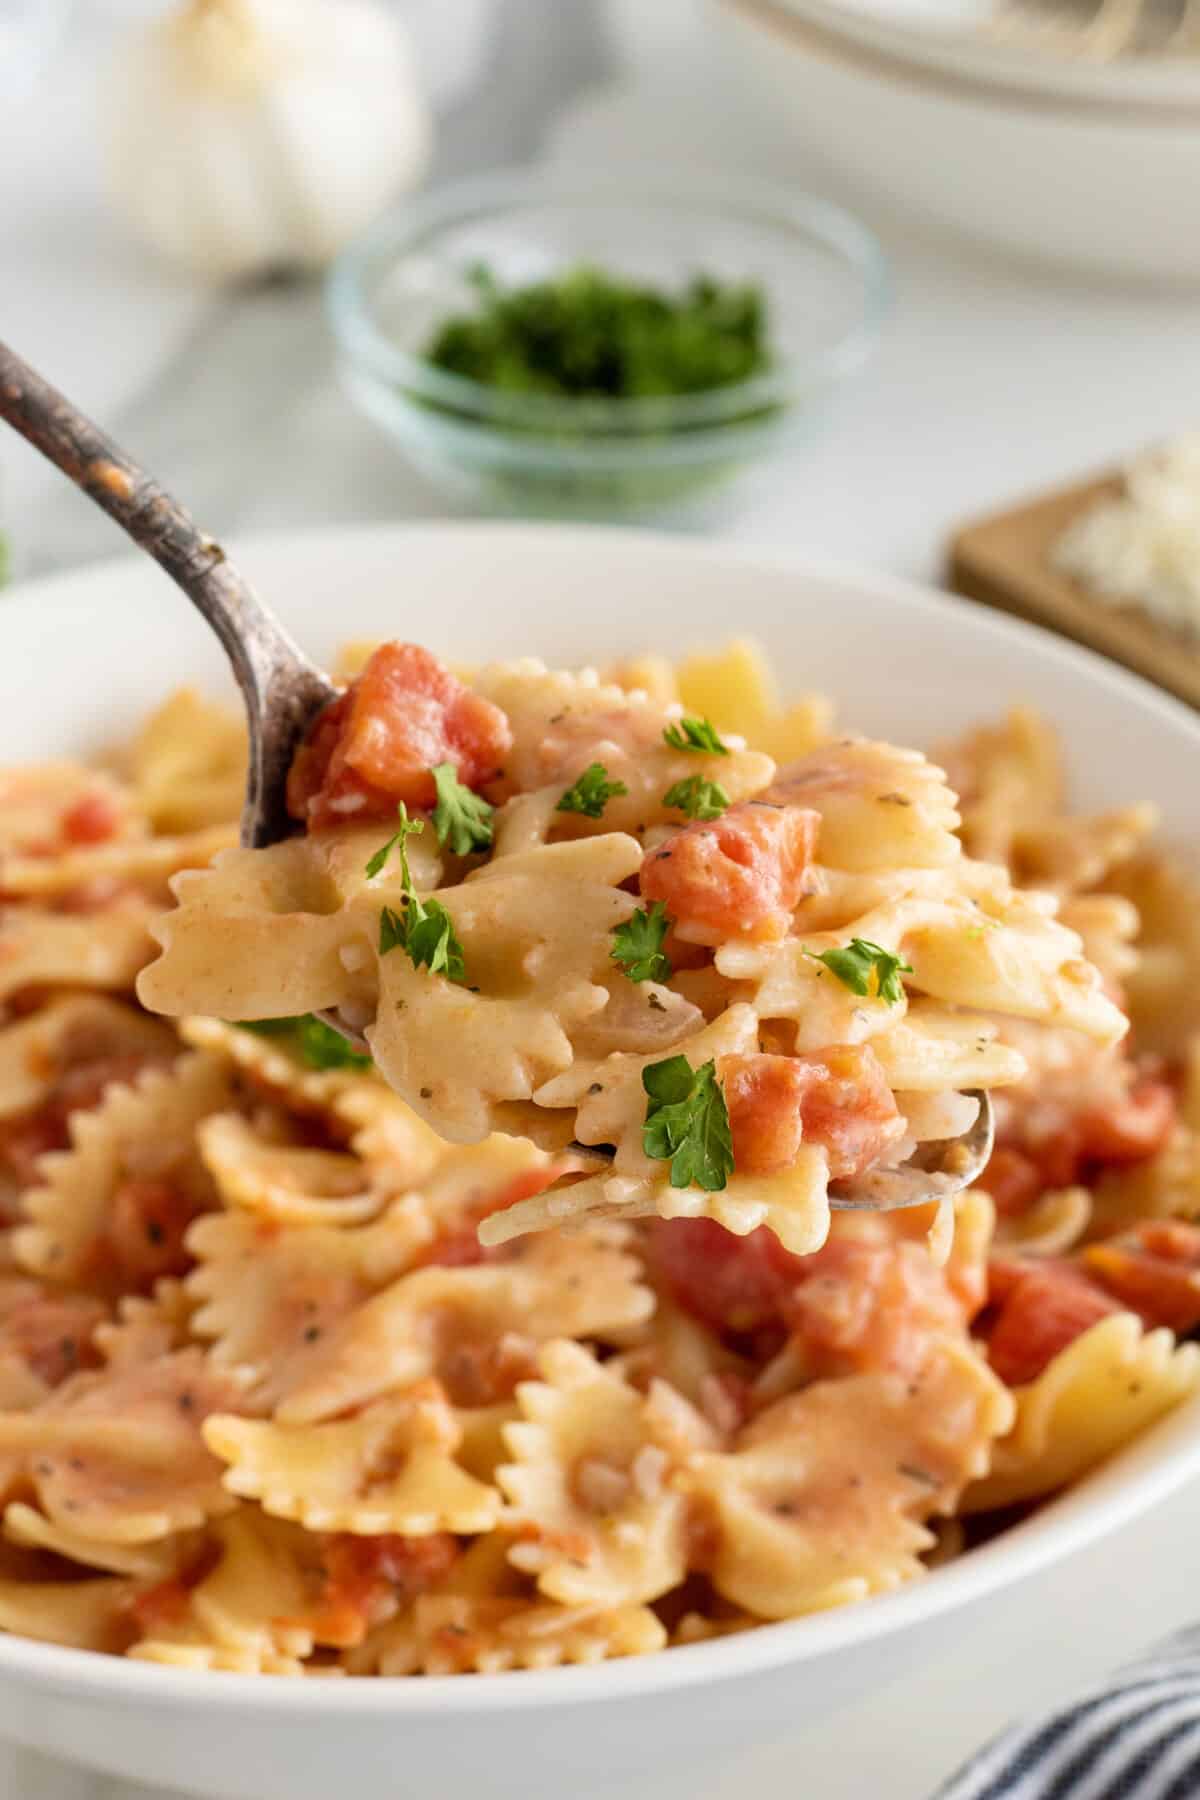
[(1014, 127)]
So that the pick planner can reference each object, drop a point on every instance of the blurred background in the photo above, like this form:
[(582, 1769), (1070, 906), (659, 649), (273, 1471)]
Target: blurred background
[(1028, 178)]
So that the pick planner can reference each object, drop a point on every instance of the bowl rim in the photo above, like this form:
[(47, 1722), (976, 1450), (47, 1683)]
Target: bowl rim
[(406, 228), (926, 63), (1145, 1472)]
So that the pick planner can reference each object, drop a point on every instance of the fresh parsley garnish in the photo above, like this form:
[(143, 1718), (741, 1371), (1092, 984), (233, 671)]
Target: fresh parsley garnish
[(431, 939), (698, 798), (391, 931), (591, 793), (461, 819), (408, 828), (866, 968), (423, 928), (318, 1044), (595, 333), (687, 1122), (638, 944), (695, 734)]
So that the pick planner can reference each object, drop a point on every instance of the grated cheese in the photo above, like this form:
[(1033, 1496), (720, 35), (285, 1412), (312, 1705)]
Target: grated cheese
[(1143, 548)]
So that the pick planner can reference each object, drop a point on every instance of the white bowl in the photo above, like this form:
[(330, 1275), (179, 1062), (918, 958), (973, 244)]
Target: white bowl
[(958, 37), (93, 650), (1107, 189)]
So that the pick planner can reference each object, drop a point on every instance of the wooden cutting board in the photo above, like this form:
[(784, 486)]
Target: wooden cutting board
[(1004, 560)]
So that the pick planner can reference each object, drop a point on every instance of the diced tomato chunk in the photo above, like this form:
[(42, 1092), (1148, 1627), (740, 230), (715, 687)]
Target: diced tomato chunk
[(1078, 1144), (458, 1246), (865, 1300), (733, 1284), (376, 744), (1013, 1180), (144, 1232), (368, 1577), (869, 1303), (53, 1334), (26, 1138), (91, 820), (741, 875), (1154, 1270), (166, 1603), (1042, 1307), (763, 1095), (838, 1098), (1134, 1129)]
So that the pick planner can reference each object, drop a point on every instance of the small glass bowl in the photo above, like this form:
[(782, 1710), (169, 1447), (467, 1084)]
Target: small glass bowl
[(823, 275)]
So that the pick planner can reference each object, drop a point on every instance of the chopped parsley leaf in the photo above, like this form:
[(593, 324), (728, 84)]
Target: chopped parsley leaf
[(695, 734), (638, 944), (591, 793), (423, 928), (408, 828), (318, 1044), (698, 798), (687, 1123), (866, 969), (462, 820)]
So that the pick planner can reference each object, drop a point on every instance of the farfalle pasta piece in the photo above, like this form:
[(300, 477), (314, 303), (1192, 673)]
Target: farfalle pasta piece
[(609, 1100), (145, 863), (474, 1329), (147, 1326), (287, 1184), (825, 1497), (1164, 1186), (564, 722), (736, 689), (785, 981), (1106, 1387), (1007, 776), (391, 1468), (113, 1208), (934, 1048), (536, 936), (39, 948), (36, 1051), (354, 1105), (675, 1347), (881, 807), (1161, 987), (590, 1488), (1001, 951), (91, 1614), (152, 1563), (117, 1455), (1073, 855), (45, 1337), (1108, 927), (1053, 1224), (461, 1634), (247, 1615), (288, 943), (272, 1299), (611, 1108), (188, 764), (561, 721), (48, 808)]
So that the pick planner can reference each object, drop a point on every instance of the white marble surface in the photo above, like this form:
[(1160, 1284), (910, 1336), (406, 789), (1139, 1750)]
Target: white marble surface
[(990, 380)]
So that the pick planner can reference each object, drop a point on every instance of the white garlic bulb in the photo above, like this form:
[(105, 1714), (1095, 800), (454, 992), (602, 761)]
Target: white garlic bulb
[(247, 136)]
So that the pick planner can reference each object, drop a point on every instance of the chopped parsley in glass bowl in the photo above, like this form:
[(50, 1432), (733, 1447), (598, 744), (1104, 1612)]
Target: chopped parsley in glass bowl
[(563, 345)]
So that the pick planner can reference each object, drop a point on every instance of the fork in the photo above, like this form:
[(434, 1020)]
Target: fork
[(283, 692)]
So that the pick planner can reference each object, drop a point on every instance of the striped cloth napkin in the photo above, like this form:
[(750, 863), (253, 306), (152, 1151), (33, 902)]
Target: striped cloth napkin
[(1135, 1736)]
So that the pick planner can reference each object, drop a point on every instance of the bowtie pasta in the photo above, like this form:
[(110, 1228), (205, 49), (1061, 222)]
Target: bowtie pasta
[(522, 1334), (555, 904)]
